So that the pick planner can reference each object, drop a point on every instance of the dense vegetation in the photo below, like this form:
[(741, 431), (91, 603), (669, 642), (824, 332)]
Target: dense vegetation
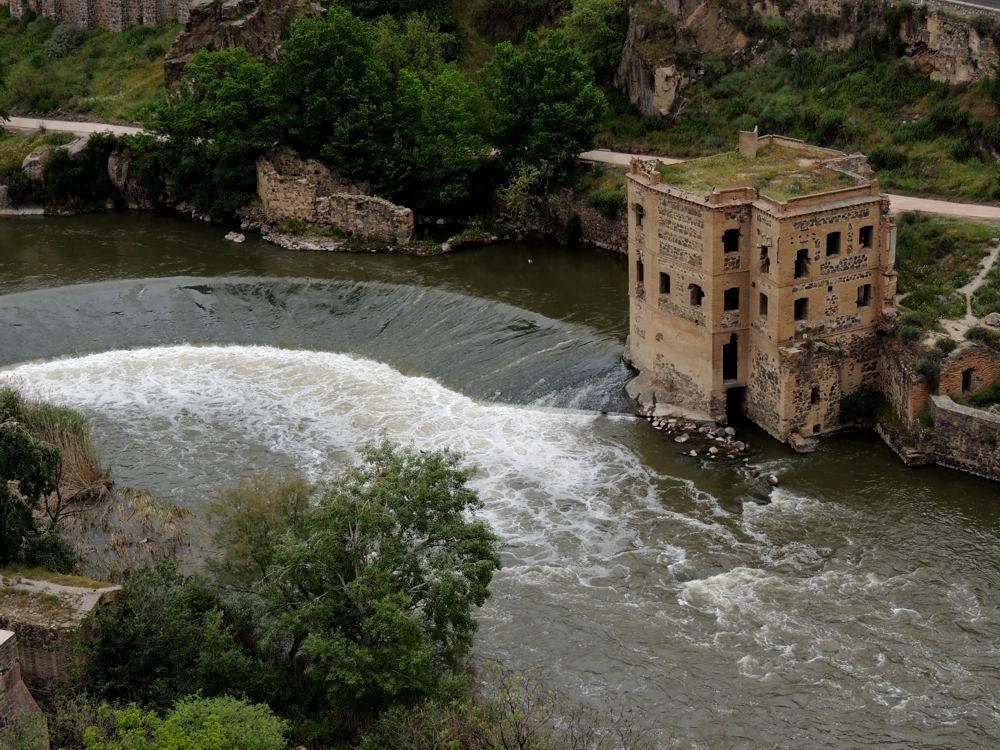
[(66, 69)]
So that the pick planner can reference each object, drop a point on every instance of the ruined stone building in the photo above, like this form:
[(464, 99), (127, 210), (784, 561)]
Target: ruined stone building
[(113, 15), (758, 282)]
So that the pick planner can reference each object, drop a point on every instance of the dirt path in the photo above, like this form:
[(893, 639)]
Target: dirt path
[(957, 328), (32, 124)]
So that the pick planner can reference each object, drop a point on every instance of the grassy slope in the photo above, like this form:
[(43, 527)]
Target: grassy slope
[(109, 76)]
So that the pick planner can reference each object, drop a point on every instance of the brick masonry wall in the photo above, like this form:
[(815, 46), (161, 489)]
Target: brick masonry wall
[(983, 361), (967, 439)]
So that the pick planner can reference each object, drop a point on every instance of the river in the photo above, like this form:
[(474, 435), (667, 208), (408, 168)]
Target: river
[(858, 608)]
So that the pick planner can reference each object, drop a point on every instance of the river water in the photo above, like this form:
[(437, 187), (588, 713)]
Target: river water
[(858, 608)]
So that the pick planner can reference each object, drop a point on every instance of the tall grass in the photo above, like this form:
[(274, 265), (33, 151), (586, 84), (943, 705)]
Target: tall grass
[(82, 476)]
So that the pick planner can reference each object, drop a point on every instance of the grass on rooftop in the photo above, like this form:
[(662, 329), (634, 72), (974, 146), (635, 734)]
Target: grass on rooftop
[(778, 172)]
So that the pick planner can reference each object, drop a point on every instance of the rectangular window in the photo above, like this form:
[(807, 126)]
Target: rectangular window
[(801, 263), (731, 299), (864, 295), (763, 305), (865, 236), (802, 308), (696, 295), (731, 241), (833, 243), (765, 259), (664, 283), (639, 213), (640, 272)]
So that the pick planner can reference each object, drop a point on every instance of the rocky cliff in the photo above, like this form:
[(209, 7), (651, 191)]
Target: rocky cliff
[(667, 39)]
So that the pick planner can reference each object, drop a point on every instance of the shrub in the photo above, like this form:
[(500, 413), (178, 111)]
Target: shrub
[(882, 157), (609, 203), (862, 406), (65, 39), (983, 335)]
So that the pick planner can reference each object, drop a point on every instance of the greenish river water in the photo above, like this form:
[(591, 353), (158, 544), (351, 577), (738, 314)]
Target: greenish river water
[(858, 608)]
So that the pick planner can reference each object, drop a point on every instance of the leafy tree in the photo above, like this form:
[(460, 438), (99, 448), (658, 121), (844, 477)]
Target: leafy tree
[(436, 9), (193, 724), (547, 106), (372, 595), (441, 145), (597, 28), (217, 121), (166, 635), (414, 42), (29, 473), (334, 93)]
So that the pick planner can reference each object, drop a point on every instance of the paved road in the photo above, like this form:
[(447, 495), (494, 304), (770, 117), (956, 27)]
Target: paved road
[(31, 124), (992, 5), (897, 203)]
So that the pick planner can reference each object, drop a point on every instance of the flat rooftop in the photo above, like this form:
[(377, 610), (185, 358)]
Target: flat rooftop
[(779, 172)]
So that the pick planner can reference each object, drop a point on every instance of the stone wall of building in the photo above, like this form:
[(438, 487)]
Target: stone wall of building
[(113, 15), (17, 706), (968, 369), (291, 188), (966, 439)]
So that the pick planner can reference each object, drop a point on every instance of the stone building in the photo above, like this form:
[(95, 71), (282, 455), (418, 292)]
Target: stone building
[(758, 282), (113, 15)]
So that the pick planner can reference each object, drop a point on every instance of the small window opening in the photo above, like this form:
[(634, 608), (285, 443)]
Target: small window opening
[(731, 241), (664, 283), (639, 211), (814, 395), (802, 308), (816, 429), (763, 305), (731, 358), (967, 380), (696, 295), (765, 259), (865, 236), (864, 295), (833, 243), (731, 299), (640, 272), (801, 263)]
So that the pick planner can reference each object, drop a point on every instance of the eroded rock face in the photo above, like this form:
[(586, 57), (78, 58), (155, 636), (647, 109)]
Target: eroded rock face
[(121, 171), (253, 24), (36, 163), (947, 48)]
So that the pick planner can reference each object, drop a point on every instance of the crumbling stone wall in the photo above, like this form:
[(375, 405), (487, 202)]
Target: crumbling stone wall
[(967, 439), (306, 190), (16, 703), (983, 362), (113, 15), (45, 652)]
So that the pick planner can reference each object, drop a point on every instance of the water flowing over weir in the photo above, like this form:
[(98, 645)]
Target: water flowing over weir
[(488, 350), (857, 609)]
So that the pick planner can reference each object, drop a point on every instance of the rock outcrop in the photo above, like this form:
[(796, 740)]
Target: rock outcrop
[(253, 24), (292, 189)]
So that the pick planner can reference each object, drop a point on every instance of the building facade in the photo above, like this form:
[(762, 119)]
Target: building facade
[(759, 281)]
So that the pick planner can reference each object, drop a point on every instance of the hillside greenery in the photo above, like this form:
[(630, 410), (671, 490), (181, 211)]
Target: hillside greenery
[(50, 69)]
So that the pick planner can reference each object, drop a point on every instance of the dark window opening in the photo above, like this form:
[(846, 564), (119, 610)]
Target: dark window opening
[(816, 429), (696, 295), (639, 272), (802, 308), (639, 213), (763, 305), (731, 358), (801, 263), (833, 243), (765, 259), (864, 295), (967, 376), (731, 241), (731, 299), (865, 236), (664, 283), (814, 395)]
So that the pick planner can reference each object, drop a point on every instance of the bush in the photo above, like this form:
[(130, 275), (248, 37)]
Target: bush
[(862, 406), (65, 39), (983, 335), (886, 158), (609, 203)]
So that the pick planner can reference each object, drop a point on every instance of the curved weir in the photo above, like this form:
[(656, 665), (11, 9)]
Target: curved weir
[(488, 350)]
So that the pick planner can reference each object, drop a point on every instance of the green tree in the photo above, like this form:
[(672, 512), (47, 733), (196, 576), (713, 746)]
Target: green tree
[(216, 123), (166, 635), (29, 473), (414, 42), (441, 144), (193, 724), (547, 105), (334, 93), (373, 595), (597, 28)]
